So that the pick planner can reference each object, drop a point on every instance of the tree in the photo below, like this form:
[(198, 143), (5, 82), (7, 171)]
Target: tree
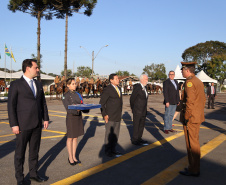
[(216, 68), (37, 9), (122, 73), (202, 53), (69, 73), (84, 71), (65, 8), (155, 71)]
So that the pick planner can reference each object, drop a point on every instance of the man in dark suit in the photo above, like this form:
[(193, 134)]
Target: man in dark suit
[(111, 109), (26, 110), (211, 94), (171, 100), (138, 104)]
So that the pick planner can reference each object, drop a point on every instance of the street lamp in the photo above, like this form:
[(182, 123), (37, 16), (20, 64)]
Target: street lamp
[(93, 58)]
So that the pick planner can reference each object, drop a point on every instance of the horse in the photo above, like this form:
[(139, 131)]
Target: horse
[(127, 89), (59, 90), (158, 89), (84, 87), (80, 89), (149, 88), (97, 88)]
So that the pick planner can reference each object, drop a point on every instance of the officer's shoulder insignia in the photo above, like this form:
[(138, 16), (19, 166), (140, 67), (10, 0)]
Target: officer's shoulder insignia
[(189, 84)]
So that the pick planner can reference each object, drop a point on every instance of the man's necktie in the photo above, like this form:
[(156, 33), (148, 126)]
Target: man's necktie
[(117, 91), (32, 87)]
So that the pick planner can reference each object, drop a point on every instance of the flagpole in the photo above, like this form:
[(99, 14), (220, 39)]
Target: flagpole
[(11, 65), (5, 66)]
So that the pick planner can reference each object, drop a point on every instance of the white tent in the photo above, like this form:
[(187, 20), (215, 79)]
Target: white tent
[(205, 78), (4, 74), (46, 79), (178, 74), (18, 74)]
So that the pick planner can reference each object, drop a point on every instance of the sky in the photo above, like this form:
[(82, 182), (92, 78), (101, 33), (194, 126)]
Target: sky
[(137, 33)]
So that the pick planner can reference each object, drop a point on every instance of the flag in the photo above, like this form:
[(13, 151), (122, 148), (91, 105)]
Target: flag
[(7, 51), (12, 56), (0, 56)]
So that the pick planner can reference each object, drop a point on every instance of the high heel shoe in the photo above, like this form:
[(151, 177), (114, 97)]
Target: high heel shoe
[(78, 162), (72, 164)]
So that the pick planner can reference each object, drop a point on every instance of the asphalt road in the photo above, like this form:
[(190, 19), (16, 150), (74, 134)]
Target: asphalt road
[(157, 163)]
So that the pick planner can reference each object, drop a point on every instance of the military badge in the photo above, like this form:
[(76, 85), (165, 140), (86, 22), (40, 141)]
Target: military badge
[(189, 84)]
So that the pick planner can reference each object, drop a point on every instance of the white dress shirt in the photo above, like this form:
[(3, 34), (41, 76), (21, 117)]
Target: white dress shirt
[(28, 81)]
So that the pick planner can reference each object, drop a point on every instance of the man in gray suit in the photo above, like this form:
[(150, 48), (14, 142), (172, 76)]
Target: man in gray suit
[(26, 110), (111, 109)]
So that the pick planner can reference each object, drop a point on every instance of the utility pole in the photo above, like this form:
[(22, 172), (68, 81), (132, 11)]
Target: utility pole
[(92, 62)]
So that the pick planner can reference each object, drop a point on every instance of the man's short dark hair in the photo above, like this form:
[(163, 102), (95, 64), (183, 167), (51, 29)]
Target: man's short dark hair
[(111, 76), (27, 63)]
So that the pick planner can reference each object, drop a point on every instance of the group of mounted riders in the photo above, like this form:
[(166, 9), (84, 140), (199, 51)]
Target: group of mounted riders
[(96, 87)]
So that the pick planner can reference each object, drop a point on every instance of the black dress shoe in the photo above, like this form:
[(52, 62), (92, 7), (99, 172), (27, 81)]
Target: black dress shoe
[(187, 173), (72, 164), (136, 143), (38, 179), (116, 153), (143, 141)]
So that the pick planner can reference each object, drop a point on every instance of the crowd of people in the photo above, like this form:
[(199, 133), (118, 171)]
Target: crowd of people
[(27, 110)]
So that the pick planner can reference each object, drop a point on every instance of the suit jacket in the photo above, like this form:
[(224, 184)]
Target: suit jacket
[(171, 95), (111, 103), (138, 100), (209, 91), (25, 110)]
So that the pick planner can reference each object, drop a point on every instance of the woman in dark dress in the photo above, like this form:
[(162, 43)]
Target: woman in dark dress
[(74, 124)]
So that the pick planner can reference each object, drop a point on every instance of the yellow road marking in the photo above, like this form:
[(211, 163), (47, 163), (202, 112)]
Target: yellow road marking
[(3, 114), (54, 131), (4, 122), (6, 141), (57, 115), (57, 111), (7, 135), (104, 166), (47, 137), (123, 123), (171, 172)]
